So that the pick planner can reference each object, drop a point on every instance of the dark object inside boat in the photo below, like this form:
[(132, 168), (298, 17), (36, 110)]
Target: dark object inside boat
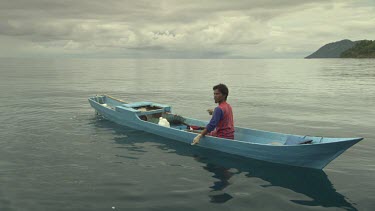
[(295, 140)]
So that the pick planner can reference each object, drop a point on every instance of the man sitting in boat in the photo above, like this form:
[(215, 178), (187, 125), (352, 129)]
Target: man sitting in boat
[(221, 124)]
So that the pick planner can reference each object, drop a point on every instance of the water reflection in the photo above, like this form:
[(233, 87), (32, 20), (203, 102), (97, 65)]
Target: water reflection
[(309, 182), (223, 175)]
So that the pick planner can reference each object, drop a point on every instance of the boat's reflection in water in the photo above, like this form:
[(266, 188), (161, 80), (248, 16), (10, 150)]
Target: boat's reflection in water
[(310, 182)]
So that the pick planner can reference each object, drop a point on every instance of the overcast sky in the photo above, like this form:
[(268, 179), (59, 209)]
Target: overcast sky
[(180, 29)]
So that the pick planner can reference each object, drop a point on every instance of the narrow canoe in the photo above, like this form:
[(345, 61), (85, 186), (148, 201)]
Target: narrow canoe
[(295, 150)]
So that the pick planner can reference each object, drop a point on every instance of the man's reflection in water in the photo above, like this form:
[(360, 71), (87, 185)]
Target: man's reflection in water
[(223, 175), (217, 195)]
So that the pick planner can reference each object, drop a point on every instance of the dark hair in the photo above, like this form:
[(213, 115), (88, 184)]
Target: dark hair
[(223, 89)]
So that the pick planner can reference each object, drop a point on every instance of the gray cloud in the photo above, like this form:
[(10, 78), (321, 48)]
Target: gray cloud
[(181, 29)]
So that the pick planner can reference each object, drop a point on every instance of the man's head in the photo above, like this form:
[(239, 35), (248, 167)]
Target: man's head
[(220, 93)]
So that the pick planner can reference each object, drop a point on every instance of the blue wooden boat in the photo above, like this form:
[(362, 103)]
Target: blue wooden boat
[(295, 150)]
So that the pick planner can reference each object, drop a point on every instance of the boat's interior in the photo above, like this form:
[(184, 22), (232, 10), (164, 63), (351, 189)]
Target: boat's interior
[(151, 112)]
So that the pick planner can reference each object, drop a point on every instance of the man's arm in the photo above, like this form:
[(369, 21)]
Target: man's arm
[(217, 116)]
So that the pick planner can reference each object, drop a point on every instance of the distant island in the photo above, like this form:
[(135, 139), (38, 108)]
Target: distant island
[(346, 49)]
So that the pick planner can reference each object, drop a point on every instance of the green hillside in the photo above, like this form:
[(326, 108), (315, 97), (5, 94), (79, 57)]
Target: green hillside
[(362, 49)]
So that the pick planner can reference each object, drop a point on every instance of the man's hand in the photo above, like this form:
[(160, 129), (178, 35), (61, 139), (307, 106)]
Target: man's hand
[(196, 139), (210, 111)]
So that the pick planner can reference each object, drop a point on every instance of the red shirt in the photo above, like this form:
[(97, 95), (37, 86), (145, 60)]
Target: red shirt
[(224, 126)]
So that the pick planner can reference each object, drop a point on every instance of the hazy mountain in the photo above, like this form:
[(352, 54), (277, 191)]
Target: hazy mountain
[(332, 50)]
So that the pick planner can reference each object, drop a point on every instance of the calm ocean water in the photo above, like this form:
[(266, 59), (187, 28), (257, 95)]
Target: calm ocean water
[(55, 154)]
